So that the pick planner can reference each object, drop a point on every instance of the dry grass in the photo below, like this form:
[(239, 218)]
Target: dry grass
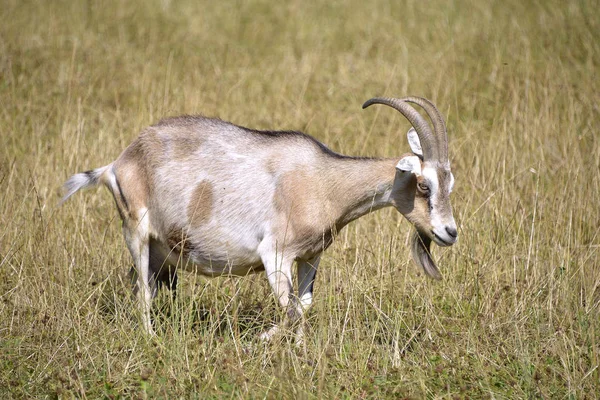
[(517, 314)]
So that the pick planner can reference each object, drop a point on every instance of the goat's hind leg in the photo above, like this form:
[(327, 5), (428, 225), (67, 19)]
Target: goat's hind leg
[(162, 273), (137, 236)]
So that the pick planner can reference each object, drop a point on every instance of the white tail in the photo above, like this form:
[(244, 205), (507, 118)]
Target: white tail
[(83, 180)]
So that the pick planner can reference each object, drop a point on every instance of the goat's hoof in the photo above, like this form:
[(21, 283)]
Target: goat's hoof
[(151, 333), (299, 338), (268, 335)]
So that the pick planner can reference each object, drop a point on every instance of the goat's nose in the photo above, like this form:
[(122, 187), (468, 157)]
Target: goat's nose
[(452, 231)]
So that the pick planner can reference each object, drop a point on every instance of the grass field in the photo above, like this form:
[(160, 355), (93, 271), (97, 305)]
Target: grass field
[(517, 312)]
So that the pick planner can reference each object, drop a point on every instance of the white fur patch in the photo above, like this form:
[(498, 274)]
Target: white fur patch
[(410, 164), (430, 175), (75, 183), (306, 300)]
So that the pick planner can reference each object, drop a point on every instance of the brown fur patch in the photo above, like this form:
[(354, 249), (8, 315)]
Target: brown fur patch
[(200, 206), (184, 147), (181, 135), (312, 208), (293, 199), (152, 146), (420, 215), (305, 217), (412, 203), (176, 240), (271, 166), (133, 170), (133, 181)]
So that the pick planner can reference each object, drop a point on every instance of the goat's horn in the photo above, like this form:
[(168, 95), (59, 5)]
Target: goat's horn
[(439, 126), (423, 129)]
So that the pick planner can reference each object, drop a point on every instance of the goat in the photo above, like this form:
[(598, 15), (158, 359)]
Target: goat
[(220, 199)]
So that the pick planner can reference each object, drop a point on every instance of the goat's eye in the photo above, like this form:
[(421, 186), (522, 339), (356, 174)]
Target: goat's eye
[(423, 187)]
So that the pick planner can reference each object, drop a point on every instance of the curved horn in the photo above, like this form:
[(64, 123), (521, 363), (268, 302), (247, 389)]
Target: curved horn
[(427, 138), (439, 126)]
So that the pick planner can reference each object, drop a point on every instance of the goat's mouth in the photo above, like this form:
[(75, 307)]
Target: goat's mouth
[(440, 241)]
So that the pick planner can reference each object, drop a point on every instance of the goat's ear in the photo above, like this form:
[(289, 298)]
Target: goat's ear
[(410, 164), (414, 142)]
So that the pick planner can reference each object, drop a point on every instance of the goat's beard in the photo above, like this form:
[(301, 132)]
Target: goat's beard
[(421, 245)]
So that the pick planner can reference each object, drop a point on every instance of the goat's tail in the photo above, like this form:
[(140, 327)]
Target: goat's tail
[(84, 180)]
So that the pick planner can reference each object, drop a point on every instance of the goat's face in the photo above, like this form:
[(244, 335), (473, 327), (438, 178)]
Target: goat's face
[(423, 180), (423, 197)]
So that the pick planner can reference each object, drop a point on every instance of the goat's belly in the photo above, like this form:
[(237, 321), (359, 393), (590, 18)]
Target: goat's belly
[(217, 266), (212, 263), (214, 251)]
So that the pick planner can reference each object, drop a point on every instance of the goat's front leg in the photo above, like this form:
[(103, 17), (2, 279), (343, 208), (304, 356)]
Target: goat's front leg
[(279, 272), (137, 236), (307, 270)]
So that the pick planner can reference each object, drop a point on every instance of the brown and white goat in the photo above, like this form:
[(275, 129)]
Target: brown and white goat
[(219, 199)]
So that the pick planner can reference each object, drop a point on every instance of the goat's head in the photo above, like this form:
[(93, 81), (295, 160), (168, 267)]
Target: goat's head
[(424, 180)]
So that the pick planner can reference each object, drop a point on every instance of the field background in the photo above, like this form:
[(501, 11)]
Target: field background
[(517, 312)]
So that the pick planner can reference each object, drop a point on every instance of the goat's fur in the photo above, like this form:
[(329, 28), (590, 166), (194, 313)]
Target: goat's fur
[(215, 198)]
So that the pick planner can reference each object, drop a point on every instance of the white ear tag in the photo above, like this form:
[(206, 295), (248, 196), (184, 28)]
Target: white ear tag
[(410, 164), (414, 142)]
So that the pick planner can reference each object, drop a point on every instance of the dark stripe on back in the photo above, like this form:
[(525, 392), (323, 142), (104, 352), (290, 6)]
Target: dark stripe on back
[(285, 134)]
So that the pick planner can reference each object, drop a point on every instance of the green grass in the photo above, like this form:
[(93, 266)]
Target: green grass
[(517, 313)]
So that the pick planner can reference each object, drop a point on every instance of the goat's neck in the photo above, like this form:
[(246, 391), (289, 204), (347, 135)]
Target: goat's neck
[(359, 186)]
